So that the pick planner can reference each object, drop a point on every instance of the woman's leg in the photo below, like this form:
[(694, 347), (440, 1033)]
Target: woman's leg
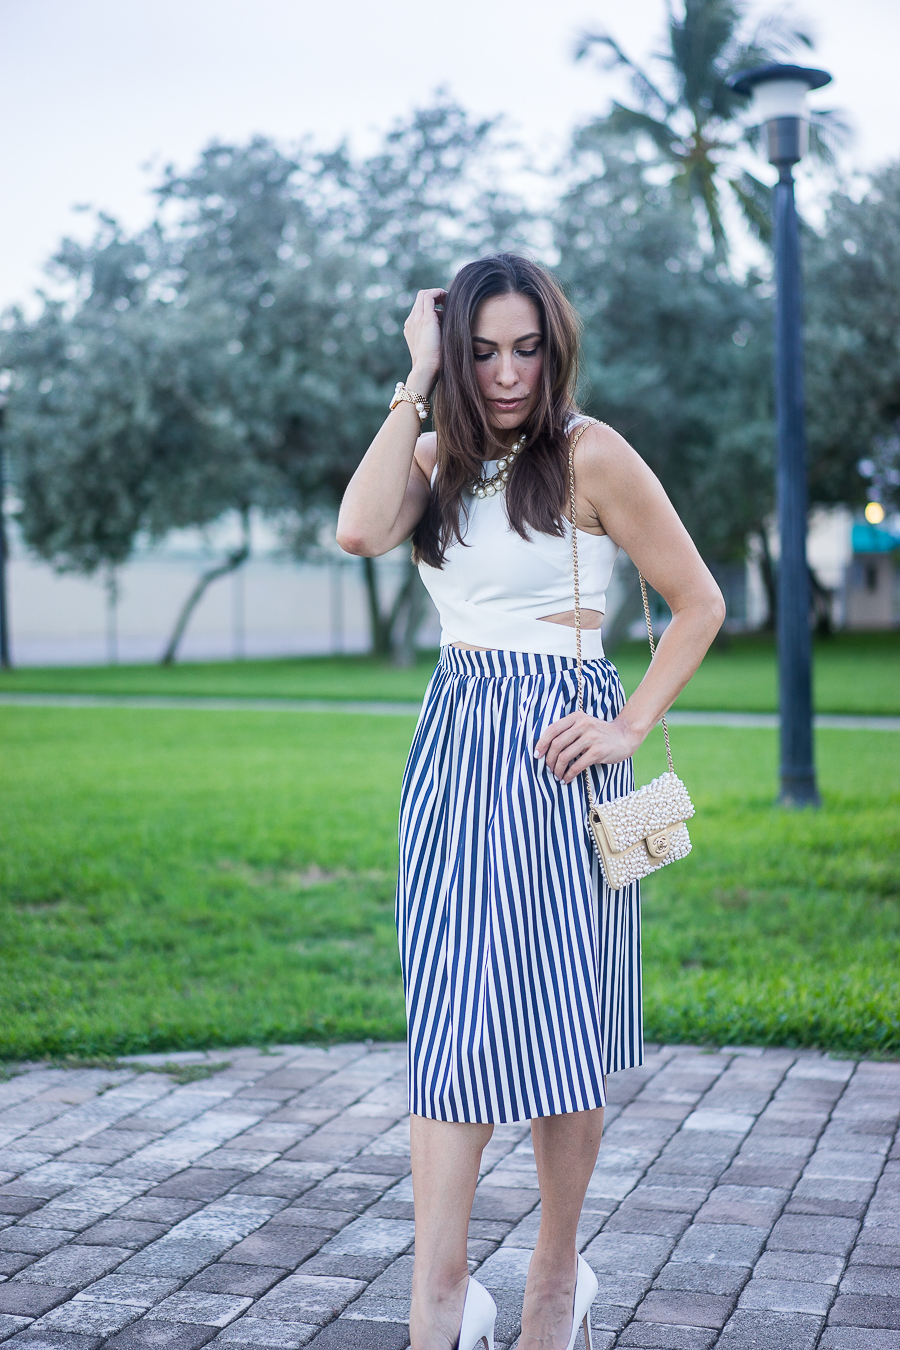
[(565, 1150), (445, 1162)]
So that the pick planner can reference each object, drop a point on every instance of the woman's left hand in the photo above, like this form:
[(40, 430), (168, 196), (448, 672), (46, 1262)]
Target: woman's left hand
[(574, 742)]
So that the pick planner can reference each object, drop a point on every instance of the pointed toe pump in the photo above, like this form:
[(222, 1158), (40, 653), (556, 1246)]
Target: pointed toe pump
[(479, 1315), (586, 1287)]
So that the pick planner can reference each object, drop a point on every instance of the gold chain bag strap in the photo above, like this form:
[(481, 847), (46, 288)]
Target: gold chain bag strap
[(644, 830)]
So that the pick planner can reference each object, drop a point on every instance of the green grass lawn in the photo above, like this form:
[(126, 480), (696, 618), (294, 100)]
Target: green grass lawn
[(854, 673), (171, 880)]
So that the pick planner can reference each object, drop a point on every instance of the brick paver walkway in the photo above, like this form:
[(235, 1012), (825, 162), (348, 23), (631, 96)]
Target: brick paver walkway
[(743, 1198)]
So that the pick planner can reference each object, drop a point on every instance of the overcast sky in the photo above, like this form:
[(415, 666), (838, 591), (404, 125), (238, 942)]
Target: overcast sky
[(94, 91)]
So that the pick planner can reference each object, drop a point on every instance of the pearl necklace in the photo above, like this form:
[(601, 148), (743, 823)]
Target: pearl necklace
[(488, 487)]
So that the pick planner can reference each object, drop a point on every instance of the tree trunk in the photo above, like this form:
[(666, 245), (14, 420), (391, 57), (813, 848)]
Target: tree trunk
[(379, 627), (770, 581), (234, 560), (820, 599), (393, 633)]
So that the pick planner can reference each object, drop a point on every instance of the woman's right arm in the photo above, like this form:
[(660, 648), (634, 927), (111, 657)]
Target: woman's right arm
[(387, 496)]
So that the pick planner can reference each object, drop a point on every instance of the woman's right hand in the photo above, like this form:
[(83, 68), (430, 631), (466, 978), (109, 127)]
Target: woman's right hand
[(422, 331)]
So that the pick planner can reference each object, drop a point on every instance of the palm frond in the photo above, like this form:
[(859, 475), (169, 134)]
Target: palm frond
[(646, 90), (622, 121), (754, 199), (829, 132)]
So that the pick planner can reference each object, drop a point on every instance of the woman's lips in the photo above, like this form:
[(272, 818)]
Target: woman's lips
[(507, 404)]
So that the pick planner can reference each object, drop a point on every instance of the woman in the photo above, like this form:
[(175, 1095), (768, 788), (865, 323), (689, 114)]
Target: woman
[(521, 968)]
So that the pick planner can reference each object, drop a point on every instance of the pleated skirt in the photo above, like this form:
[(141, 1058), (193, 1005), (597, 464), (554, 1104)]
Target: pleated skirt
[(521, 968)]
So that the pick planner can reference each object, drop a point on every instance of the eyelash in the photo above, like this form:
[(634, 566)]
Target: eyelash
[(531, 351)]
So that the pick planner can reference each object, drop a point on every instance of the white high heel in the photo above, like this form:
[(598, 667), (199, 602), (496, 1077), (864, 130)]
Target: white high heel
[(479, 1316), (586, 1287)]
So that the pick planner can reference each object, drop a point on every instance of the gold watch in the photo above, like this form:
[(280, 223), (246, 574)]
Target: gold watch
[(404, 395)]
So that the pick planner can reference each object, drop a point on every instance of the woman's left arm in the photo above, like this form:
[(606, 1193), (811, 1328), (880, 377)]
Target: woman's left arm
[(630, 503)]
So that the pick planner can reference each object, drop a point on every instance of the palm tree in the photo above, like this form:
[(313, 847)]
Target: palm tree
[(694, 117)]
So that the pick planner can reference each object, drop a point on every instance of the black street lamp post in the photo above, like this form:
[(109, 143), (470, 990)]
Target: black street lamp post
[(779, 93)]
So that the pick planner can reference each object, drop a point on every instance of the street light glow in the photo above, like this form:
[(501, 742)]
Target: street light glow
[(874, 513)]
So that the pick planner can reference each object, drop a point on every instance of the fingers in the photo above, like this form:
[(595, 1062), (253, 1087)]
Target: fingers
[(552, 732)]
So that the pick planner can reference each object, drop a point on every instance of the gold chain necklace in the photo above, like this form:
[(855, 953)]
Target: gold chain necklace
[(489, 487)]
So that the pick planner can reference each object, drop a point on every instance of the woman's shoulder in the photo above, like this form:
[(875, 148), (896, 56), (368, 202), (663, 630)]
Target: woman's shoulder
[(597, 440)]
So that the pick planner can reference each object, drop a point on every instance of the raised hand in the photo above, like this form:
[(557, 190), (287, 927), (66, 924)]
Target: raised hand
[(422, 331)]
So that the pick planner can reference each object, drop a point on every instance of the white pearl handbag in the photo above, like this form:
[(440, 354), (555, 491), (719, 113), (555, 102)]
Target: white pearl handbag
[(645, 830)]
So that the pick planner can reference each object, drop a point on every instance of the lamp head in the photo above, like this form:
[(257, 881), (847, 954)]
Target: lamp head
[(779, 102)]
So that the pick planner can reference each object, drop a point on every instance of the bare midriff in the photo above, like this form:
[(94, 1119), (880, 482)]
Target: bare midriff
[(590, 618)]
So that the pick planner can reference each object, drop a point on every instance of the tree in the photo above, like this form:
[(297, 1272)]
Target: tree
[(118, 424), (676, 353), (241, 351), (853, 345), (692, 117), (320, 256)]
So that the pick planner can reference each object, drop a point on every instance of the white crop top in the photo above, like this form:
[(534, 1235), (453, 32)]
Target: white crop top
[(494, 589)]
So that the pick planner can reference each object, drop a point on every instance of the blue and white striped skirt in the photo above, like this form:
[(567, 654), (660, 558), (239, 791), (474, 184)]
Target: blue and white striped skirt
[(521, 968)]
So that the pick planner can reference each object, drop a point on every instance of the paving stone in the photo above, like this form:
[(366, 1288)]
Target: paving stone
[(654, 1337), (228, 1278), (142, 1291), (787, 1296), (346, 1334), (503, 1202), (37, 1241), (89, 1318), (29, 1300), (309, 1298), (373, 1308), (874, 1254), (309, 1216), (799, 1233), (807, 1267), (351, 1267), (609, 1316), (346, 1197), (662, 1223), (371, 1237), (705, 1279), (750, 1330), (883, 1280), (681, 1308), (760, 1174), (255, 1331), (172, 1257), (146, 1335), (10, 1325), (866, 1310), (627, 1253), (721, 1243), (18, 1204), (284, 1246), (197, 1183), (859, 1338), (122, 1233), (206, 1309), (12, 1262), (74, 1265), (151, 1208), (38, 1339)]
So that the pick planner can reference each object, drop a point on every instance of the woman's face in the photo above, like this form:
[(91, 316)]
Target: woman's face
[(509, 358)]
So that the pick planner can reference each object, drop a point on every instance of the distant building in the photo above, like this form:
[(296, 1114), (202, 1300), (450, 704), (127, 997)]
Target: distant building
[(872, 580)]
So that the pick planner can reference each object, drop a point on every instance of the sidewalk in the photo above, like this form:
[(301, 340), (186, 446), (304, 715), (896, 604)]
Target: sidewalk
[(823, 721), (743, 1198)]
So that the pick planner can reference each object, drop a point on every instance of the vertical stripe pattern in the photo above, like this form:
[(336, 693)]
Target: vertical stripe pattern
[(521, 968)]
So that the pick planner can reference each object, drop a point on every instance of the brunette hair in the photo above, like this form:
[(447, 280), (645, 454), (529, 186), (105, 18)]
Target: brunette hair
[(537, 485)]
